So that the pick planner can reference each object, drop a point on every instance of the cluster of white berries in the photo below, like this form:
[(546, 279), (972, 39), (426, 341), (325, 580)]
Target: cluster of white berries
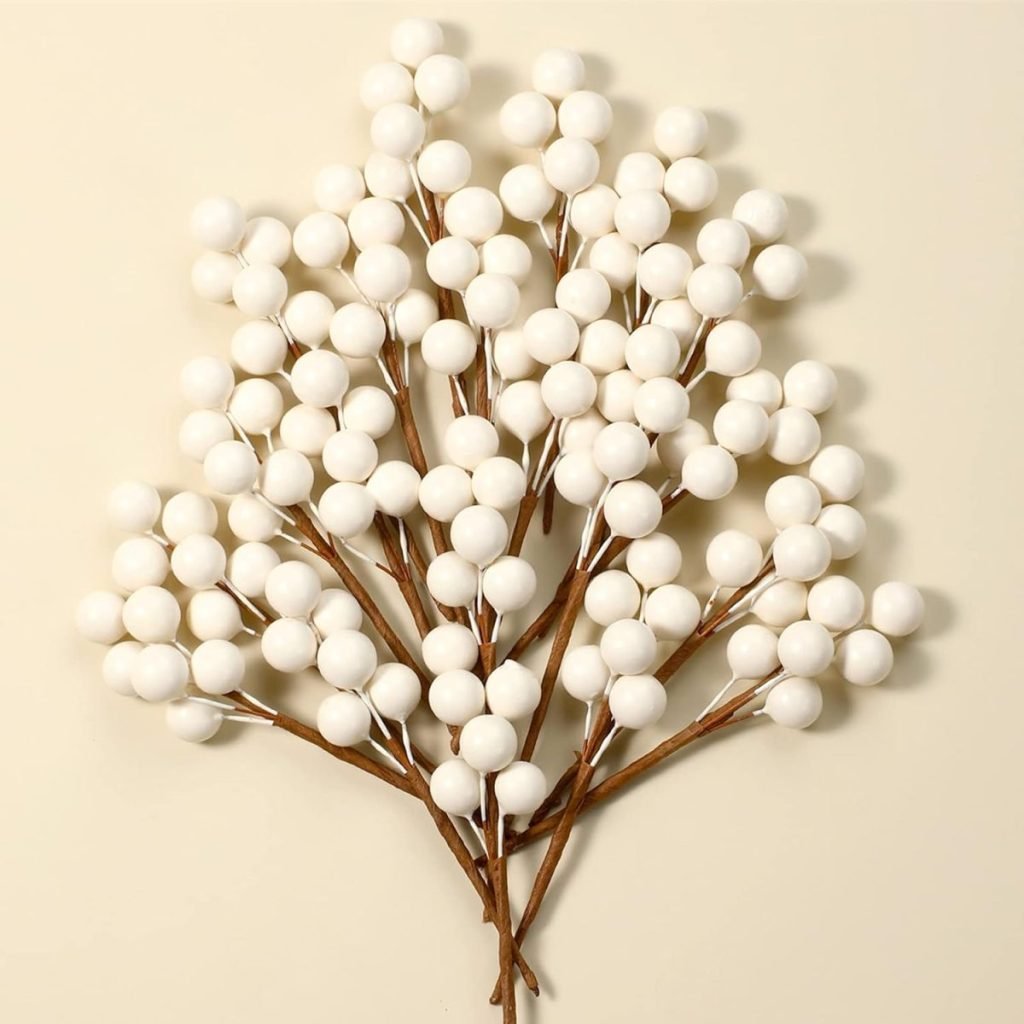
[(590, 396)]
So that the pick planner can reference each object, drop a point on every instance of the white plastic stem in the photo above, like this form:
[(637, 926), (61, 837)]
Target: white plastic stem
[(696, 379), (605, 745), (252, 700), (384, 753), (385, 732), (600, 552), (403, 540), (407, 743), (238, 429), (417, 224), (545, 451), (248, 719), (387, 376), (711, 600), (545, 236), (714, 700), (579, 253), (628, 312), (497, 626)]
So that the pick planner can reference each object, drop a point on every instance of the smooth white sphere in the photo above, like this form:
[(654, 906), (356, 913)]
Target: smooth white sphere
[(444, 166), (452, 263), (357, 331), (394, 690), (306, 429), (444, 492), (643, 217), (691, 184), (760, 386), (213, 276), (213, 615), (230, 467), (369, 409), (621, 451), (376, 221), (259, 347), (526, 194), (468, 440), (632, 509), (343, 719), (199, 561), (654, 560), (499, 482), (784, 602), (321, 239), (897, 609), (672, 612), (117, 667), (568, 389), (413, 40), (637, 701), (452, 580), (350, 455), (551, 335), (793, 435), (395, 486), (838, 472), (794, 703), (801, 552), (592, 214), (845, 529), (610, 596), (320, 378), (338, 187), (382, 273), (557, 72), (336, 610), (256, 406), (249, 566), (206, 382), (585, 115), (388, 177), (492, 300), (286, 477), (509, 583), (584, 675), (639, 172), (680, 131), (864, 657), (615, 259), (159, 673), (507, 255), (733, 349), (836, 602), (193, 722), (652, 351), (260, 289), (293, 589), (474, 213), (513, 691), (733, 558), (455, 788), (98, 617), (763, 213), (714, 290), (571, 165), (740, 426), (384, 83), (398, 130), (139, 562), (488, 743), (415, 313), (520, 788), (578, 480), (578, 434), (218, 223), (186, 513), (664, 269), (347, 659), (709, 472), (479, 534), (584, 294), (791, 500), (779, 272), (676, 447), (723, 240), (806, 648), (602, 346), (752, 652), (448, 647), (441, 82), (133, 506), (218, 667), (811, 385), (347, 509), (527, 119), (522, 411)]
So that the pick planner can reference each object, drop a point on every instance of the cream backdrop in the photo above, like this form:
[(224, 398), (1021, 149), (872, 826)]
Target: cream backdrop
[(868, 870)]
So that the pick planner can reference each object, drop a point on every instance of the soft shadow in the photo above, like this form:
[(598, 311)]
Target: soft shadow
[(802, 219), (456, 39), (599, 72), (723, 132), (853, 390)]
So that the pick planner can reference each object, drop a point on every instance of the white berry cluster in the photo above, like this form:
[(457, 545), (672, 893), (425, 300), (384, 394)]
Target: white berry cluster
[(307, 434)]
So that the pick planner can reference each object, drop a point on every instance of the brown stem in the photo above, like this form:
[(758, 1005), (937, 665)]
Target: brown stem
[(522, 523), (497, 868), (403, 577)]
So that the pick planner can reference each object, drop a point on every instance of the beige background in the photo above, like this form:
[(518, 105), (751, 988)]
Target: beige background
[(869, 870)]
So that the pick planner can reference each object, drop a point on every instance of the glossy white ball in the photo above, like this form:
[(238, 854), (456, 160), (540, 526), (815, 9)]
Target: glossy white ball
[(347, 659), (897, 609), (801, 552), (488, 743), (637, 701), (672, 612)]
